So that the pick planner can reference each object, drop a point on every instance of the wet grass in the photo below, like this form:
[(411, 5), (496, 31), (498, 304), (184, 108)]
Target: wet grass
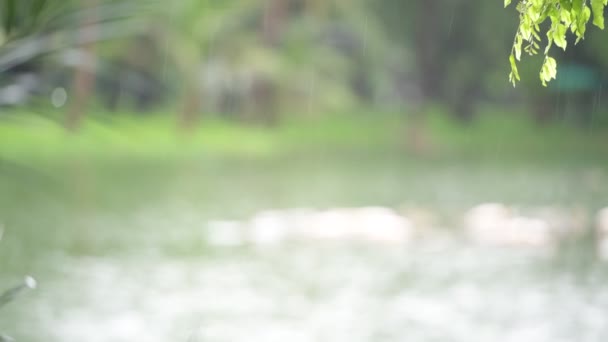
[(494, 137)]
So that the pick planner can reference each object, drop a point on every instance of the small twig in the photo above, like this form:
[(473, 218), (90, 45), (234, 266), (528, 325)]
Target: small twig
[(9, 295), (5, 338)]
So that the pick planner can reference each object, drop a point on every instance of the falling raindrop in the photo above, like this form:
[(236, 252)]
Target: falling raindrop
[(599, 95), (365, 33), (311, 93), (172, 15), (451, 23), (59, 97)]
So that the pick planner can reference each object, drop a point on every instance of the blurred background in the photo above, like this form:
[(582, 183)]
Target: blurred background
[(152, 154)]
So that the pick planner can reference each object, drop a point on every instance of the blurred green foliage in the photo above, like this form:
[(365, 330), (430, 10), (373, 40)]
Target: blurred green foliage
[(263, 62)]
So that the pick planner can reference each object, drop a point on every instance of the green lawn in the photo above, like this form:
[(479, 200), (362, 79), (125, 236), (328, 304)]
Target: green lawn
[(27, 138)]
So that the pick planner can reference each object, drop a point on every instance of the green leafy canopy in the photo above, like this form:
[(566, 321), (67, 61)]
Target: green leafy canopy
[(563, 16)]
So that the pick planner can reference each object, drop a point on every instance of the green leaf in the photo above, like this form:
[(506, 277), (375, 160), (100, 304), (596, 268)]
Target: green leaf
[(583, 18), (507, 3), (514, 75), (517, 47), (559, 35), (597, 6), (548, 70), (566, 5)]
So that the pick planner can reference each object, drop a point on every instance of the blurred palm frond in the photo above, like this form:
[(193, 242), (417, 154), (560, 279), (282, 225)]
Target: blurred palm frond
[(31, 28)]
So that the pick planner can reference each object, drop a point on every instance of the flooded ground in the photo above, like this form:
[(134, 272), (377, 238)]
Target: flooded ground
[(136, 265)]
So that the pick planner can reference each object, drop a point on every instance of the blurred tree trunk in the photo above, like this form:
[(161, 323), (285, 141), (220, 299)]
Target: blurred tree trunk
[(264, 88), (83, 84), (427, 25), (273, 21), (427, 47), (265, 100), (542, 109), (464, 104), (318, 8), (189, 115)]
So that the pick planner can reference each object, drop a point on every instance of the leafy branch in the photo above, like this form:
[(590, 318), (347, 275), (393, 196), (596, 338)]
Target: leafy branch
[(563, 16)]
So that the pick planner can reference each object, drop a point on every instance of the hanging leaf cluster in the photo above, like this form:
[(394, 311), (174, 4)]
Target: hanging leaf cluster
[(563, 16)]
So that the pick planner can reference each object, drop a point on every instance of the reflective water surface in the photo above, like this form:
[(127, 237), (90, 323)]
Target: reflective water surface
[(139, 264)]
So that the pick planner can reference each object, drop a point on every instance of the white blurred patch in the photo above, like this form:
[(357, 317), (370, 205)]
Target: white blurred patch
[(59, 97), (30, 282), (496, 224), (274, 227), (602, 222), (225, 233), (372, 224), (269, 227), (13, 94), (601, 230)]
